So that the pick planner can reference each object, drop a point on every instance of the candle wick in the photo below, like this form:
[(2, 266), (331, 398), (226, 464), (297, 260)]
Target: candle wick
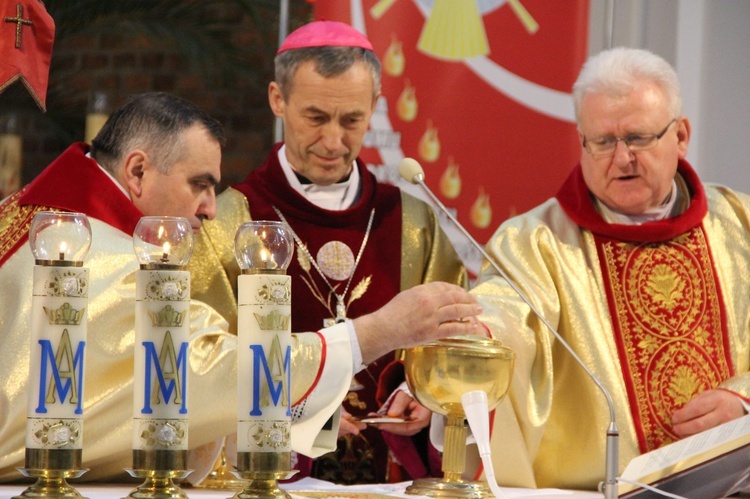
[(62, 255), (165, 258)]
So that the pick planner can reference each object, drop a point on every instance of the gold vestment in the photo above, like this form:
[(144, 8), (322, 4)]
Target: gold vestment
[(551, 429)]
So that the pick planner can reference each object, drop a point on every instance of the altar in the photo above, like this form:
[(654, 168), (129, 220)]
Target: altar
[(307, 488)]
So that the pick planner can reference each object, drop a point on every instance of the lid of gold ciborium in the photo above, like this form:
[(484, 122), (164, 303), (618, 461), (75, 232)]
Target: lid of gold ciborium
[(438, 373)]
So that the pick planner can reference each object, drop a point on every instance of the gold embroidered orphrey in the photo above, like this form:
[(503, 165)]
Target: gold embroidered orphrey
[(334, 260), (15, 221), (667, 322)]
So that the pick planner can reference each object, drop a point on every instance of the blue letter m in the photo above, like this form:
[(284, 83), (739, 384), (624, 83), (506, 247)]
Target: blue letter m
[(171, 381), (66, 374)]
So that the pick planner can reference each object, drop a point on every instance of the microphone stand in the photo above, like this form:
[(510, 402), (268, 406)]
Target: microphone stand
[(609, 486)]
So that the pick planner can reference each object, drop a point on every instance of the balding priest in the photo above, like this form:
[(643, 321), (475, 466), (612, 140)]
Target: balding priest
[(358, 242)]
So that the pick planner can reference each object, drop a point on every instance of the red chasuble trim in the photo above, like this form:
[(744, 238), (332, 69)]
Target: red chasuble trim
[(669, 326), (75, 183)]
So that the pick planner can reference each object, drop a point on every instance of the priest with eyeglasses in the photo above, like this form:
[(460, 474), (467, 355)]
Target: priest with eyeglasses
[(641, 268)]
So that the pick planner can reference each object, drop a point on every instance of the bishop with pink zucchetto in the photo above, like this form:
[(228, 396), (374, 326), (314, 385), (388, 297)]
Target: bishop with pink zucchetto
[(325, 34), (358, 242)]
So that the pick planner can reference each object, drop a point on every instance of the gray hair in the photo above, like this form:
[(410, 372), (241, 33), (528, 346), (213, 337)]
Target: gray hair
[(616, 71), (153, 122), (329, 61)]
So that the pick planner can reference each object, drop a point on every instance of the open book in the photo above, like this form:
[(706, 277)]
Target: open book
[(712, 464)]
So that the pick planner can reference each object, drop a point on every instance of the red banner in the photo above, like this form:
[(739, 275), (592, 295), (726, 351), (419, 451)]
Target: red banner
[(477, 91)]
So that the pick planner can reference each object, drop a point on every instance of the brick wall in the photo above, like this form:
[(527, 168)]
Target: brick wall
[(169, 51)]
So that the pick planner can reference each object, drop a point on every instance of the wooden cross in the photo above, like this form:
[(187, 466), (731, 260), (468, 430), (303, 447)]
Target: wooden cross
[(20, 21)]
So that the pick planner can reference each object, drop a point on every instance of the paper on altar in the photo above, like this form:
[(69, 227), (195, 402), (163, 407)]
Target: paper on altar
[(689, 451), (300, 489)]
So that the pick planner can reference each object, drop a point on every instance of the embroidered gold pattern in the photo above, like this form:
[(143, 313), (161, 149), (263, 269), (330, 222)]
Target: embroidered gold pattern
[(15, 221), (667, 320)]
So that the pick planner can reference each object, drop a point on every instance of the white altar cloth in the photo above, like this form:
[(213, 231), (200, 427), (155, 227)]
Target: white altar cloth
[(298, 489)]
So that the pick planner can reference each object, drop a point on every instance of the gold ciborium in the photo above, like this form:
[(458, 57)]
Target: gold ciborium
[(438, 373)]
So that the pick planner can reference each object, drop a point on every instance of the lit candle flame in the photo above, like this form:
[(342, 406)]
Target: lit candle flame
[(165, 249), (63, 248)]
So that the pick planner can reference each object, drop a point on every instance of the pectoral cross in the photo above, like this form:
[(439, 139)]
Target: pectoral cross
[(20, 21), (340, 313)]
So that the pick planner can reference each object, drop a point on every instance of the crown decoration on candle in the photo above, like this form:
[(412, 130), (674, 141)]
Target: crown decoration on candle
[(66, 315), (273, 321), (58, 434), (163, 433), (275, 435), (277, 292), (167, 317), (167, 287), (67, 283)]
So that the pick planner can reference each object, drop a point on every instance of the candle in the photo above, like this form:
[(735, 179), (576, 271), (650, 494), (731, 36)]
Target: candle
[(162, 331), (264, 250), (10, 163), (59, 242), (97, 115)]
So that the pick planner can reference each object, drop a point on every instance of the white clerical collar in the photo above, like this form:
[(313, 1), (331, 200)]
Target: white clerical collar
[(335, 197), (659, 213), (113, 179)]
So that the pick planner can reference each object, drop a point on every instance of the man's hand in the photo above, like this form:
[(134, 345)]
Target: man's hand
[(347, 426), (417, 315), (708, 409), (405, 407)]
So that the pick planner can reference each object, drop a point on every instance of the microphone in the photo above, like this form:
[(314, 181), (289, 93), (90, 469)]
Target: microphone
[(411, 171)]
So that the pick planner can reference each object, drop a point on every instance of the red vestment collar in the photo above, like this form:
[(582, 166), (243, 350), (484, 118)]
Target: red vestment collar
[(74, 182), (578, 203), (267, 185)]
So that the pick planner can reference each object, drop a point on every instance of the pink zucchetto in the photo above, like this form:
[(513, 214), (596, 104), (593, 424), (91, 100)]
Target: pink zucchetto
[(325, 34)]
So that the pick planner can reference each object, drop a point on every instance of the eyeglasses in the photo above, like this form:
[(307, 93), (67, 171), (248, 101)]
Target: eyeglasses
[(606, 145)]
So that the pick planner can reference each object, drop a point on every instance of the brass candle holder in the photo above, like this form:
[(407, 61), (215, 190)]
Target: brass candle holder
[(438, 373), (263, 470), (51, 468), (159, 468)]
